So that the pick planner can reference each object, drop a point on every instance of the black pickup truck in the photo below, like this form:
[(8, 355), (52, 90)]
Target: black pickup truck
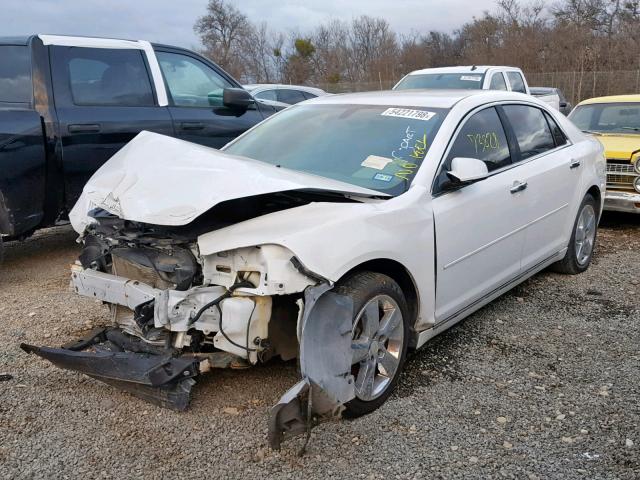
[(67, 104)]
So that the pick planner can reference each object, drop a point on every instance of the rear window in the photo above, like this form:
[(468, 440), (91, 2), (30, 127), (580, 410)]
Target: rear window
[(456, 81), (15, 74)]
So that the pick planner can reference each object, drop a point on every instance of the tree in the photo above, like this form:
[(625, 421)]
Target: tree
[(299, 67), (581, 36), (223, 31)]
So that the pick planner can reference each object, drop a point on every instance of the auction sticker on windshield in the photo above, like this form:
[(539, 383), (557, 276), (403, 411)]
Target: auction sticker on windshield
[(408, 113), (374, 161), (470, 78)]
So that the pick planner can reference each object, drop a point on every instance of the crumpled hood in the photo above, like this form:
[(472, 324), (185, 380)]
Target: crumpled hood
[(165, 181), (620, 146)]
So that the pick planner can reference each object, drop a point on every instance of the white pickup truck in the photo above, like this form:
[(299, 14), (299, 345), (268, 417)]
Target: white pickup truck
[(474, 77)]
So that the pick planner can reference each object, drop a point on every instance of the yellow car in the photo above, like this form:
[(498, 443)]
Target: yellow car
[(616, 122)]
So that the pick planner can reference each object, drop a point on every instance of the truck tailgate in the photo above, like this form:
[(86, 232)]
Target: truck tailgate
[(22, 169)]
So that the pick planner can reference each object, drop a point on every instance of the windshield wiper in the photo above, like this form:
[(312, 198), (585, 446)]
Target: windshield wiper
[(592, 132), (635, 129)]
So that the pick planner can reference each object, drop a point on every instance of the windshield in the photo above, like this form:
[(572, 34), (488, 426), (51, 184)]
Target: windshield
[(376, 147), (607, 117), (15, 74), (456, 81)]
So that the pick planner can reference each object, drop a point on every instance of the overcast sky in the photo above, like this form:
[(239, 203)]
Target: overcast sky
[(171, 21)]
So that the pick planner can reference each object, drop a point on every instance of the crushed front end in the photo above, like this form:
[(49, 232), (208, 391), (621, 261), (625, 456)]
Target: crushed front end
[(177, 314)]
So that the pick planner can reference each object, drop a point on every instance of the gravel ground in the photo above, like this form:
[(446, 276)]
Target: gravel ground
[(542, 383)]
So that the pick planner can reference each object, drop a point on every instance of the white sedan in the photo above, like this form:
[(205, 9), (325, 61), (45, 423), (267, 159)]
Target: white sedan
[(342, 231), (283, 95)]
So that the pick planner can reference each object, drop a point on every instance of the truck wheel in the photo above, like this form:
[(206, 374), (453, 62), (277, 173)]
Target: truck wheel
[(380, 337), (583, 240)]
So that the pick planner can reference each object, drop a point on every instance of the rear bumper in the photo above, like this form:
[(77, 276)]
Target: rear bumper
[(622, 201)]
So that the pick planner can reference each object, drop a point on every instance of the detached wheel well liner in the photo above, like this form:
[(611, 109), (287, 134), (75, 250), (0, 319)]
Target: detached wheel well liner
[(399, 274)]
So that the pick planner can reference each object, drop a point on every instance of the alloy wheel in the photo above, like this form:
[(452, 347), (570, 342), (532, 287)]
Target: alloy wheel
[(378, 336), (585, 234)]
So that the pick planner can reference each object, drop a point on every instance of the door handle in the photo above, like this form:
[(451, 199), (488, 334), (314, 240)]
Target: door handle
[(518, 186), (83, 128), (574, 163), (192, 125)]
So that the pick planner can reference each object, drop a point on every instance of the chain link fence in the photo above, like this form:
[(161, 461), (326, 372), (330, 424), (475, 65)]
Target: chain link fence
[(576, 86)]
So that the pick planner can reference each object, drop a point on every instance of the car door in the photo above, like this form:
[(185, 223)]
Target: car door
[(479, 228), (103, 97), (195, 90), (551, 169)]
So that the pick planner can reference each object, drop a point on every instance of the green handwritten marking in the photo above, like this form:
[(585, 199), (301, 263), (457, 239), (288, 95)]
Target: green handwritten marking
[(484, 141), (404, 174), (418, 151), (419, 148)]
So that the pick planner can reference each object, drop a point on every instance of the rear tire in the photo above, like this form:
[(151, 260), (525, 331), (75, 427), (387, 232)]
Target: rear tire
[(381, 336), (583, 240)]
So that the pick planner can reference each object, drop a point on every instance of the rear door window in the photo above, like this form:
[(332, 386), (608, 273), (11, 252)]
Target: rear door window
[(497, 82), (556, 131), (516, 81), (530, 128), (105, 77), (267, 95), (484, 138), (289, 96), (15, 74)]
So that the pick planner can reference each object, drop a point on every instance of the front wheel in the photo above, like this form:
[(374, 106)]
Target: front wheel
[(380, 337), (583, 239)]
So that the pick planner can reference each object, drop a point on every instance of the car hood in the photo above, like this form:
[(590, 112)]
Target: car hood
[(620, 146), (161, 180)]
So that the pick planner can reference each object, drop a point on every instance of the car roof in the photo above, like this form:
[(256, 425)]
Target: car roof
[(18, 40), (418, 98), (253, 86), (633, 98), (481, 69), (543, 89)]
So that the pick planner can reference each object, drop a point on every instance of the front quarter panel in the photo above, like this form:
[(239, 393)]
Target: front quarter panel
[(331, 239)]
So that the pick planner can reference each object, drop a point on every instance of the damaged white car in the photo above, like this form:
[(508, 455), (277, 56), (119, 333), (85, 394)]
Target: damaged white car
[(341, 231)]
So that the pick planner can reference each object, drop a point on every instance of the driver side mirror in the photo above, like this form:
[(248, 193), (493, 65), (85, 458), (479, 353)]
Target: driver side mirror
[(237, 98), (467, 170)]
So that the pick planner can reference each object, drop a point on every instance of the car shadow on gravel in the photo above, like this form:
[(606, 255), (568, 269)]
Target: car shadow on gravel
[(39, 252), (475, 338), (619, 220)]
